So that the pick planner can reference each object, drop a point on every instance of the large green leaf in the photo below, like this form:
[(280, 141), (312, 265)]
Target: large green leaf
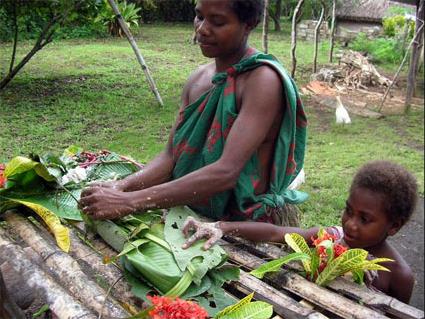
[(20, 164), (156, 265), (203, 260), (112, 167), (61, 203), (275, 265)]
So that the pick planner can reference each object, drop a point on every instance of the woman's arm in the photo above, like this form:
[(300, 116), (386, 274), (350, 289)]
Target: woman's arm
[(258, 111), (253, 231)]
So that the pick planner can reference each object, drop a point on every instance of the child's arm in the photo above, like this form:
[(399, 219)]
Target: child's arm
[(254, 231), (401, 285)]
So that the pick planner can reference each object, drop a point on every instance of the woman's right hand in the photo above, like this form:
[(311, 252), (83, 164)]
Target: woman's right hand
[(209, 231)]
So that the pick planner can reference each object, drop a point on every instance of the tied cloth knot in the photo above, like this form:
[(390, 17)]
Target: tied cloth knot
[(221, 77)]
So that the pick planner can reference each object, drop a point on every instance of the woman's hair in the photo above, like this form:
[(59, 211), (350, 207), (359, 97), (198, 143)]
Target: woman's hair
[(397, 185), (248, 11)]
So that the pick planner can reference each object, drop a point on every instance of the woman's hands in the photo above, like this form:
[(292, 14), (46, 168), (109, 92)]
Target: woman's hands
[(106, 201), (211, 231)]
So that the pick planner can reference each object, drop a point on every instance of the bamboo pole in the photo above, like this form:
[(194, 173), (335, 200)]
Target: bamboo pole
[(332, 33), (294, 37), (266, 27), (399, 69), (136, 50), (316, 36), (66, 269), (59, 301)]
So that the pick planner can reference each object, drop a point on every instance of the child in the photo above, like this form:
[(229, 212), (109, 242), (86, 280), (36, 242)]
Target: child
[(382, 198)]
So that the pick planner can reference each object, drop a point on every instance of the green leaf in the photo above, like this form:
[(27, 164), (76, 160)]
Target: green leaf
[(244, 301), (299, 245), (358, 276), (41, 311), (210, 258), (253, 310), (275, 265), (132, 245)]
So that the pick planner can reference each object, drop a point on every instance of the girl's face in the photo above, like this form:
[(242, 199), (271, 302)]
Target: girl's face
[(219, 31), (365, 221)]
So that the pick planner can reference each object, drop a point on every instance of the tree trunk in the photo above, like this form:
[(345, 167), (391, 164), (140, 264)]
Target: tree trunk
[(44, 38), (294, 37), (416, 49), (316, 36), (332, 33), (277, 15), (15, 38), (136, 50), (266, 27)]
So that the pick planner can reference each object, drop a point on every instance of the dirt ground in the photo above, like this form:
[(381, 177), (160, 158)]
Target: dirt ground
[(409, 241)]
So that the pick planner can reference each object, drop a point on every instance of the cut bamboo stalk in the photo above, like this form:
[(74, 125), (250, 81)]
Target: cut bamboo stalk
[(136, 50), (367, 297), (66, 269), (282, 304), (108, 272), (60, 302), (305, 289)]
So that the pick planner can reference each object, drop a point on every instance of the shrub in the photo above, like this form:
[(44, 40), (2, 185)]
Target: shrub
[(395, 25), (381, 50)]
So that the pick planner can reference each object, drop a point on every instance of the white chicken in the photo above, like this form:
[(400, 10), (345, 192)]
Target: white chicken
[(342, 116)]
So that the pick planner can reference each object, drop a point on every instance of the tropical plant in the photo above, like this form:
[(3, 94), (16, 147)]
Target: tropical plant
[(150, 250), (107, 16), (51, 185), (325, 261)]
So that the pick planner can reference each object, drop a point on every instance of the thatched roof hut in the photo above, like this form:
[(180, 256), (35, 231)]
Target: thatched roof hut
[(368, 10)]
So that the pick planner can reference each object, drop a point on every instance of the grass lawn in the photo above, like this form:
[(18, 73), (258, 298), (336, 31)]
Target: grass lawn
[(93, 93)]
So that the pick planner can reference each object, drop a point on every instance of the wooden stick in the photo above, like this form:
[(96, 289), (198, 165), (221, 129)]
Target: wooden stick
[(65, 268), (60, 302), (136, 50)]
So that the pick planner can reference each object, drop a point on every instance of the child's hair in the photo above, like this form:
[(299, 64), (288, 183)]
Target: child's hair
[(394, 182), (248, 11)]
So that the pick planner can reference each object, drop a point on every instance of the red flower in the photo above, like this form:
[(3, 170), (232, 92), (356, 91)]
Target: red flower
[(2, 177), (339, 250), (175, 308), (325, 236)]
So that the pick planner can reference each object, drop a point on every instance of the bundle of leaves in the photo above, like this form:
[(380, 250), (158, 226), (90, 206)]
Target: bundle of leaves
[(51, 185), (325, 261), (154, 262), (149, 248)]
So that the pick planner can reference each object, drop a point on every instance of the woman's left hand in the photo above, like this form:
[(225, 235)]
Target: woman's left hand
[(105, 203)]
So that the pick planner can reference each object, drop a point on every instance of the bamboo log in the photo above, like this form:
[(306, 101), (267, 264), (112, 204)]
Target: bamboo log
[(266, 27), (109, 273), (282, 304), (66, 269), (136, 50), (60, 302), (365, 296), (307, 290)]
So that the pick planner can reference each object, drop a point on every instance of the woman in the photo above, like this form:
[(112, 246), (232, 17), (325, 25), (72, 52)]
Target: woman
[(239, 139)]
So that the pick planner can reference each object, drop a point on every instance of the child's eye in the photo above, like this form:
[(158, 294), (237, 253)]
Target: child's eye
[(364, 220)]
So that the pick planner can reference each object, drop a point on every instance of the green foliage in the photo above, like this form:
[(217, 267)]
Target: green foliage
[(32, 17), (395, 25), (107, 16), (381, 50), (245, 309), (334, 259)]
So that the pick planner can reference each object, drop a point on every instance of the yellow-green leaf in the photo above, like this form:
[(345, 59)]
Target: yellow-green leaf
[(276, 264), (60, 232), (17, 165), (234, 307), (299, 245)]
